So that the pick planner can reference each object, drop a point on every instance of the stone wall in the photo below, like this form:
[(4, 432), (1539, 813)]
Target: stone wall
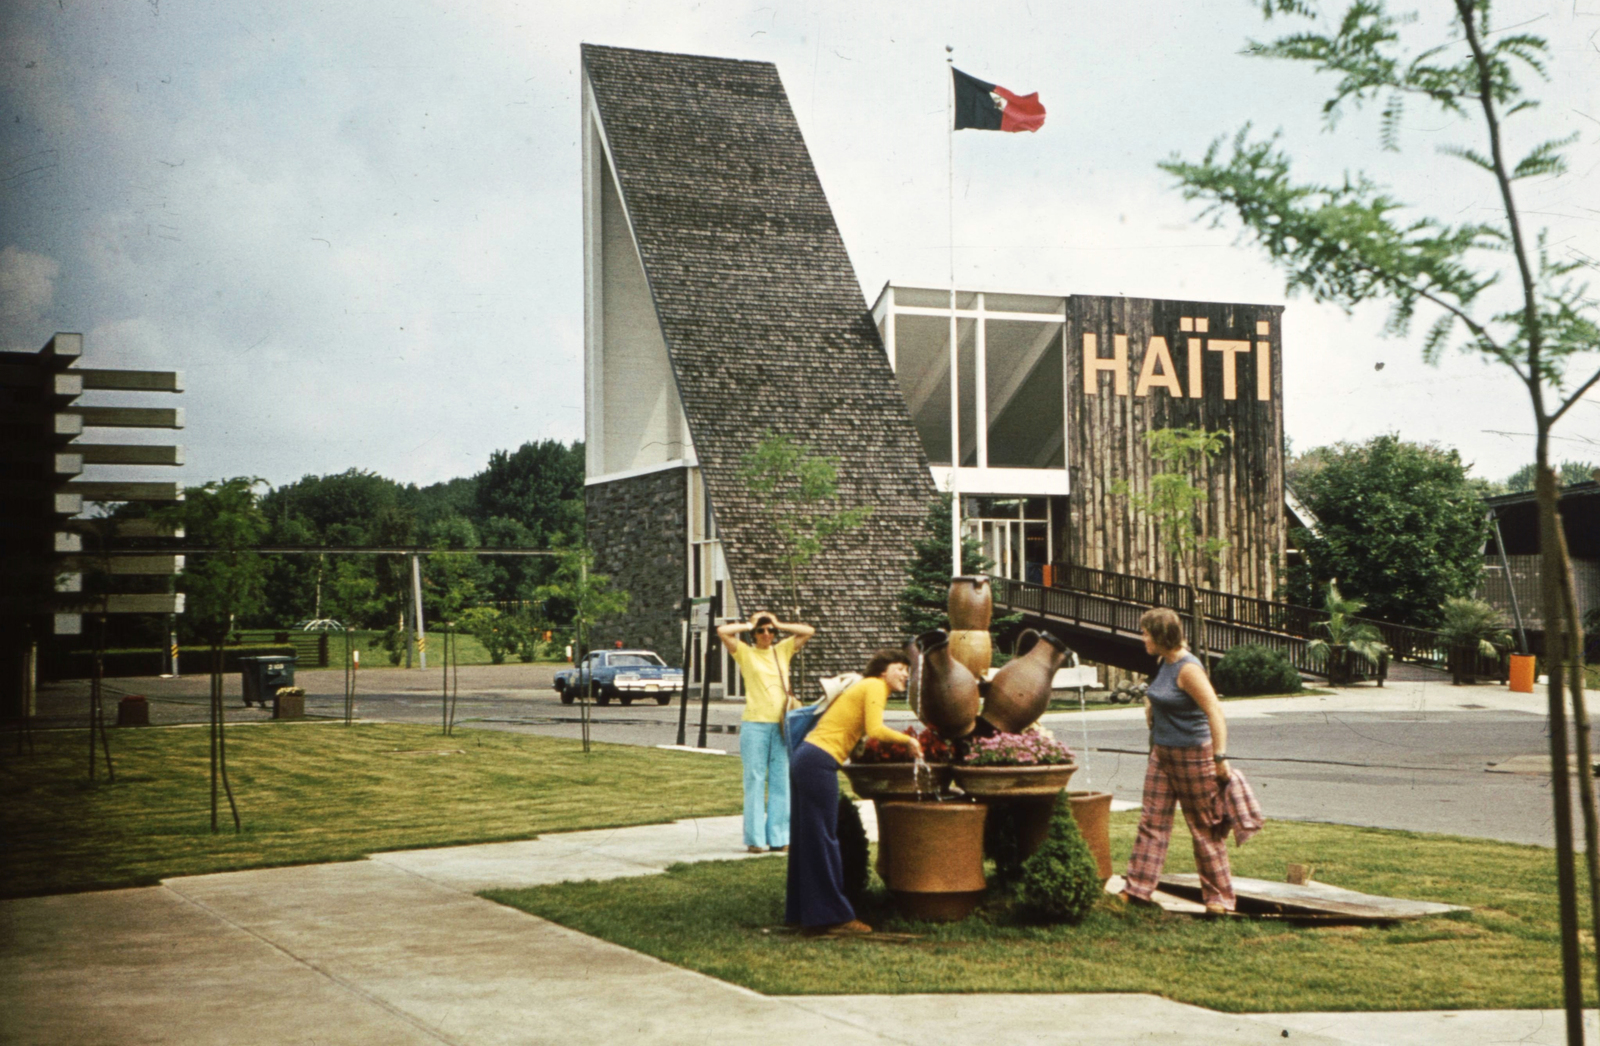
[(638, 528)]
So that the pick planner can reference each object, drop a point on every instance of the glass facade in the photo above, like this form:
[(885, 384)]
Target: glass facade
[(1009, 399)]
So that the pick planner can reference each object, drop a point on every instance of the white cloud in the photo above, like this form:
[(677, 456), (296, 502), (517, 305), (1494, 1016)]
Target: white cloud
[(356, 227), (27, 289)]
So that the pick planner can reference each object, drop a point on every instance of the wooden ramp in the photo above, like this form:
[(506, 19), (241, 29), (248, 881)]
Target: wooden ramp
[(1311, 901)]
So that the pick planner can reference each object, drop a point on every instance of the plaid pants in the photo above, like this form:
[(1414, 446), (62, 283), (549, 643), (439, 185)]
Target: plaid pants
[(1186, 776)]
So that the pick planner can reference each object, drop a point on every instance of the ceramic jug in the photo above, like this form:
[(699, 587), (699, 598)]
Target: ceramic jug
[(1020, 692), (973, 648), (971, 604), (942, 693)]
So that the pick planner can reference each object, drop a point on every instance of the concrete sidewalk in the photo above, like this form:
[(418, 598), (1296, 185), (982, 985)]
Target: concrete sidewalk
[(398, 949)]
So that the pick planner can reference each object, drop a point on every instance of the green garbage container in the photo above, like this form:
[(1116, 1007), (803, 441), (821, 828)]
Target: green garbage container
[(262, 676)]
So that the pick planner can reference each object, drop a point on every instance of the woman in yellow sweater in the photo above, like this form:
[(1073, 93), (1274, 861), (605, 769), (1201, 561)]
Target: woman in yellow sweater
[(816, 900)]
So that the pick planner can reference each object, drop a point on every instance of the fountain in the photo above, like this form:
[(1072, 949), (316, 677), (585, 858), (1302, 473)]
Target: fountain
[(930, 836)]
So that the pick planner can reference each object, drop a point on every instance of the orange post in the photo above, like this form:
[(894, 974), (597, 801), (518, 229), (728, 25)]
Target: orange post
[(1522, 673)]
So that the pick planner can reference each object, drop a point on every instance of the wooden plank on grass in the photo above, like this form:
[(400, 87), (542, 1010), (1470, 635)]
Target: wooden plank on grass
[(1312, 899)]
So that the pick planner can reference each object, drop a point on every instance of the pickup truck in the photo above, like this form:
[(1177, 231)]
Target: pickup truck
[(621, 674)]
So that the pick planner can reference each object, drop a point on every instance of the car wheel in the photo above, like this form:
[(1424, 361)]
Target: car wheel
[(663, 699), (567, 696), (603, 697)]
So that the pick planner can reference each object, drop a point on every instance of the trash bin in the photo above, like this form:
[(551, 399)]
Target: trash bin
[(262, 676)]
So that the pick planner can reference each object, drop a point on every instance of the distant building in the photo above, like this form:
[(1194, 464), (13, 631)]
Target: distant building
[(721, 303), (1516, 517)]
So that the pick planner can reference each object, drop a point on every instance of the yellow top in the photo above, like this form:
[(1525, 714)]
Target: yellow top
[(765, 689), (857, 711)]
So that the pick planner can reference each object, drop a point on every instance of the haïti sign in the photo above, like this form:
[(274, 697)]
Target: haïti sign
[(1158, 369)]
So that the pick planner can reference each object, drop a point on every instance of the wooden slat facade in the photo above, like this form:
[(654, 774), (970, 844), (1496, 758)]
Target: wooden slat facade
[(1106, 429)]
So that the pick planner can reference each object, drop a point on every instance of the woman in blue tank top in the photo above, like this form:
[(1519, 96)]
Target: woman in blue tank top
[(1188, 767)]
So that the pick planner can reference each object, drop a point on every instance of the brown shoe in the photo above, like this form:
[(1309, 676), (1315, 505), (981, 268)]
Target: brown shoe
[(756, 849), (1216, 911), (1137, 902), (780, 849), (853, 928)]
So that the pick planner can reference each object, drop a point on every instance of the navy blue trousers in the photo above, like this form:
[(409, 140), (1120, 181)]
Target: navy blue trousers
[(816, 871)]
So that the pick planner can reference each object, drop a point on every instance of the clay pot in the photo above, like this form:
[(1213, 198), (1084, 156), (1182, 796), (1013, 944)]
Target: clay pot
[(1092, 811), (973, 648), (1013, 782), (971, 604), (935, 861), (942, 692), (1020, 692), (872, 780)]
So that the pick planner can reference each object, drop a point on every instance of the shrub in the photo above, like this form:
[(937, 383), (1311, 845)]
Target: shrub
[(853, 852), (1061, 882), (1251, 669)]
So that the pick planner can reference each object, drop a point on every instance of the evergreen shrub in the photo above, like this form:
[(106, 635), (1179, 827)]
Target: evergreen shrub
[(1061, 882), (1251, 669)]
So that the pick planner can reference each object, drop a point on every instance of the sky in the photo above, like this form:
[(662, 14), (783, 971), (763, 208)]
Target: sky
[(355, 226)]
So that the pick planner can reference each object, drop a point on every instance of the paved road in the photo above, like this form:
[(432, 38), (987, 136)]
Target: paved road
[(1425, 771), (1412, 756)]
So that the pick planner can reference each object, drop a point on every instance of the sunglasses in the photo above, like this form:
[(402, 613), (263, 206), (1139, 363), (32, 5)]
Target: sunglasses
[(766, 630)]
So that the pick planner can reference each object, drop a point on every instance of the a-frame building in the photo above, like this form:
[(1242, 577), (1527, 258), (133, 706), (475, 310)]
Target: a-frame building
[(720, 304)]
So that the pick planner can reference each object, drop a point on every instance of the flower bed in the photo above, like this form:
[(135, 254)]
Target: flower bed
[(934, 749), (1027, 749)]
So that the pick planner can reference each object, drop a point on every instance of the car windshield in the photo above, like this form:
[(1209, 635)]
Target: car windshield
[(635, 661)]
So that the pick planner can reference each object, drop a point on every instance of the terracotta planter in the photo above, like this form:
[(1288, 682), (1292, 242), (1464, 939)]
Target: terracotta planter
[(973, 648), (971, 603), (1020, 692), (941, 691), (876, 780), (1013, 782), (935, 857), (1092, 811)]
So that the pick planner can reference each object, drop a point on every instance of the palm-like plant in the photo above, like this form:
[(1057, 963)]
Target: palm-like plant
[(1474, 624), (1471, 627), (1345, 635)]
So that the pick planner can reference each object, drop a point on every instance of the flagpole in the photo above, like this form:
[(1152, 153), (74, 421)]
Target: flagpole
[(955, 369)]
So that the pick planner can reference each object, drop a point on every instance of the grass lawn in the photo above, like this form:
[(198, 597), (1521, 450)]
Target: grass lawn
[(464, 648), (310, 792), (725, 919)]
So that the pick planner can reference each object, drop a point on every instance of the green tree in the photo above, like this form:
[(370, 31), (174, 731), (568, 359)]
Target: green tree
[(1401, 528), (1571, 472), (924, 602), (1349, 241), (799, 491), (1176, 503), (220, 585)]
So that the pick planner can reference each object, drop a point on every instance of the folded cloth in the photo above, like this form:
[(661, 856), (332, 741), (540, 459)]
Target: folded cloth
[(1239, 811)]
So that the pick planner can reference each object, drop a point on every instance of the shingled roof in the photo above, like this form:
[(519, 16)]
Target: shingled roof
[(765, 325)]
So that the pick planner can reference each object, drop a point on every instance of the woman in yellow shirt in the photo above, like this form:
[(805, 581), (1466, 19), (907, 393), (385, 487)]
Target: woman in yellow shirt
[(816, 900)]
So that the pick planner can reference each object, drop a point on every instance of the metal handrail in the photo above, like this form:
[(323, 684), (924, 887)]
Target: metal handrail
[(1230, 619)]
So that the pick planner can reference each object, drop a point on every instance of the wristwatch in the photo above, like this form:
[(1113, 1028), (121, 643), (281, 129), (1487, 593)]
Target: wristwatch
[(1218, 757)]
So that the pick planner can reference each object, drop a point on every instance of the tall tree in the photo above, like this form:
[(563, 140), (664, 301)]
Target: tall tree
[(1349, 242), (220, 585), (1401, 529), (1176, 503), (1571, 472), (800, 492)]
